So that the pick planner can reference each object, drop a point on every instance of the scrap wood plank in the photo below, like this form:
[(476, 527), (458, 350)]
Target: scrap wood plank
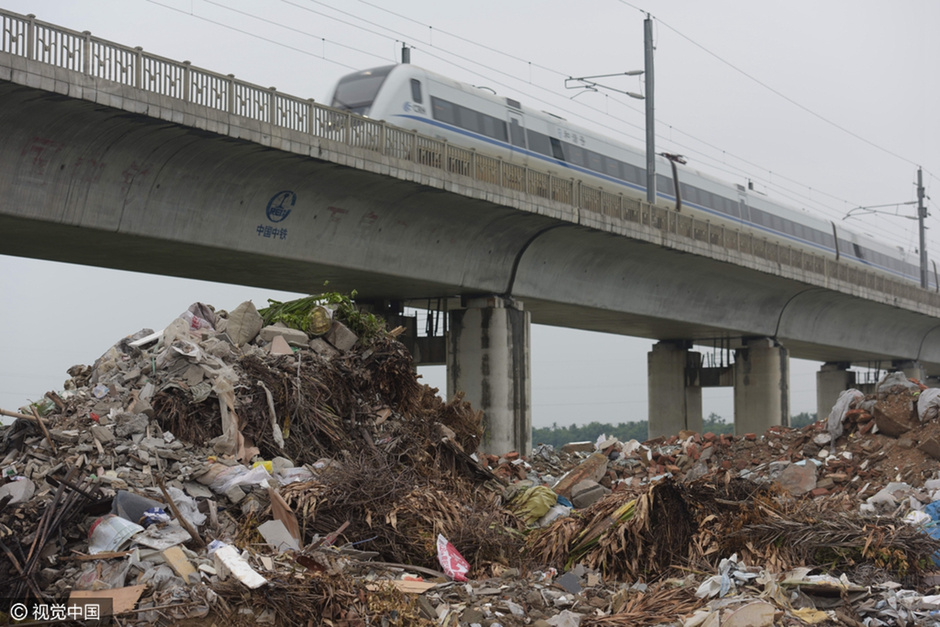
[(410, 586), (122, 599), (179, 562), (282, 511)]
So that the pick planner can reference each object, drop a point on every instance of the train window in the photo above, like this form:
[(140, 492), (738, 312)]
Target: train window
[(443, 111), (612, 167), (556, 149), (664, 185), (538, 142), (574, 154), (469, 119), (356, 92), (633, 173), (594, 161), (493, 127), (416, 90), (705, 198), (516, 133), (731, 208)]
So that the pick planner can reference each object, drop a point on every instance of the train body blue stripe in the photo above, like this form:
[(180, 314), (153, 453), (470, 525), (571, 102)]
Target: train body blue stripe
[(582, 170)]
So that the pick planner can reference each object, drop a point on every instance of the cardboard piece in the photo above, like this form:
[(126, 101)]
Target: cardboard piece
[(275, 533), (122, 599), (178, 561), (282, 512)]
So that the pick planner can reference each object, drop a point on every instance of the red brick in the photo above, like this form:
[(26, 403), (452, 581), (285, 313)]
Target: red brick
[(819, 492), (511, 456), (726, 464), (673, 469), (672, 439), (865, 428), (750, 436), (741, 464), (693, 451), (709, 436)]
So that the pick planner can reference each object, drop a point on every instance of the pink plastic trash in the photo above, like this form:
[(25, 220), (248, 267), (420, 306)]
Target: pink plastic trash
[(451, 560)]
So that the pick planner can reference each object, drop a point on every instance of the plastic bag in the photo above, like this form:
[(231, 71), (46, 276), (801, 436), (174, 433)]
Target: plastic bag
[(843, 404), (453, 563), (928, 404)]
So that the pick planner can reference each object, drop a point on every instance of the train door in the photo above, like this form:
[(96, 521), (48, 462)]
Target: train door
[(742, 204), (516, 131)]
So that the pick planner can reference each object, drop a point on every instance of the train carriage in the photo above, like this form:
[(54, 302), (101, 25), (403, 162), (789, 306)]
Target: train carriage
[(412, 98)]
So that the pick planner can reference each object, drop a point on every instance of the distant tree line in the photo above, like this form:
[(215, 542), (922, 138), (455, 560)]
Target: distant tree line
[(559, 436)]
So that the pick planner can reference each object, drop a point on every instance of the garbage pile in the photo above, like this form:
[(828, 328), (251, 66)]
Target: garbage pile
[(287, 467)]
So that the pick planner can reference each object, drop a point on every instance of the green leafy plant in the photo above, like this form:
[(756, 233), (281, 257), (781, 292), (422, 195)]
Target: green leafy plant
[(305, 313)]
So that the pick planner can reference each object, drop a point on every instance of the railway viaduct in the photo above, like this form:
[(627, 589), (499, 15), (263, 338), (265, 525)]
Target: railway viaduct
[(117, 158)]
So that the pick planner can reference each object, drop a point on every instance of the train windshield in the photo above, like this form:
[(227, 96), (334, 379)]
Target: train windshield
[(356, 92)]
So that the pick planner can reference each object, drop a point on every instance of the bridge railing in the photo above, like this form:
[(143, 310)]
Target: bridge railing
[(28, 37)]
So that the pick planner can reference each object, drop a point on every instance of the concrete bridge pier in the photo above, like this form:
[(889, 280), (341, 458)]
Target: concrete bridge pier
[(675, 393), (911, 369), (831, 380), (761, 386), (488, 360)]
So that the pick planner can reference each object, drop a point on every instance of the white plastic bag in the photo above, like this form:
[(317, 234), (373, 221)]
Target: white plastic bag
[(928, 404)]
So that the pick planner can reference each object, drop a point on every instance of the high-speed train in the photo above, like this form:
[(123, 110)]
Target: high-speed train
[(416, 99)]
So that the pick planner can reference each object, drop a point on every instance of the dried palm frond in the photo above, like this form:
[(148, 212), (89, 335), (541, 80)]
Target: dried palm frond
[(661, 604)]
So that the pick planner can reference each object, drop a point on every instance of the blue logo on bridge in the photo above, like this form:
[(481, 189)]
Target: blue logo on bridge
[(278, 206)]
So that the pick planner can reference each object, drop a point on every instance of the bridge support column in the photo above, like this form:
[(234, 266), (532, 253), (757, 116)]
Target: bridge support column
[(911, 369), (675, 395), (831, 380), (761, 386), (488, 360)]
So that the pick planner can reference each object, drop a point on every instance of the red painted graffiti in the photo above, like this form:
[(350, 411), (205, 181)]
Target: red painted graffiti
[(43, 152)]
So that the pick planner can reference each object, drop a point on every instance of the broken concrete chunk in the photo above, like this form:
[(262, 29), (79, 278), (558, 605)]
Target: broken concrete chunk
[(341, 337), (102, 434), (294, 337), (578, 447), (586, 493), (279, 346), (128, 424), (798, 479), (593, 468), (320, 346), (894, 415), (930, 446)]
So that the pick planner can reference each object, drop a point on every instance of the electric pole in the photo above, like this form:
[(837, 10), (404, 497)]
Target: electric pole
[(650, 120), (921, 214)]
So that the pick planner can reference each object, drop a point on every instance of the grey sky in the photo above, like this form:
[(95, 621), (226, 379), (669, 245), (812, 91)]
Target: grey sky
[(746, 90)]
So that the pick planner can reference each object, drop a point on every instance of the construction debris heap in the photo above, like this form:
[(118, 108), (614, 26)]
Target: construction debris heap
[(287, 467)]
